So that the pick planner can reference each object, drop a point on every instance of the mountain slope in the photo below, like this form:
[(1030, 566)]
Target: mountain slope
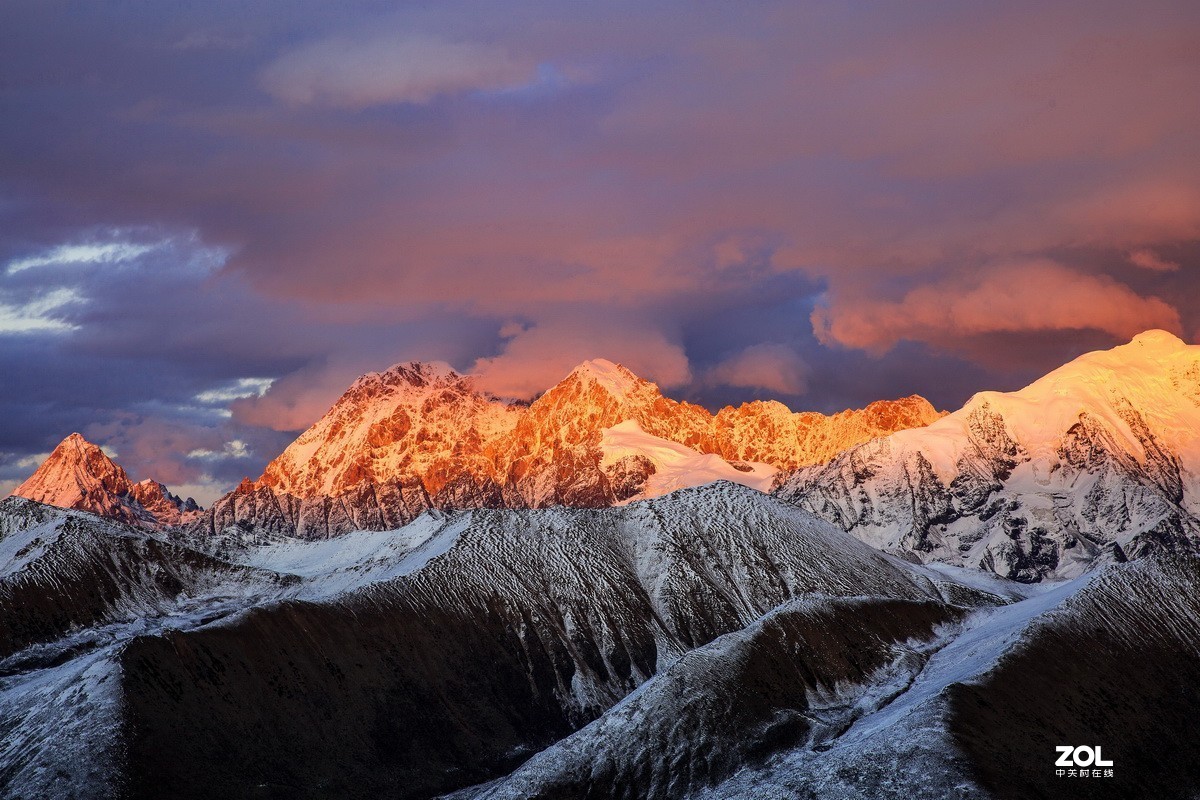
[(850, 698), (409, 662), (1099, 459), (711, 643), (78, 475), (421, 436), (65, 571)]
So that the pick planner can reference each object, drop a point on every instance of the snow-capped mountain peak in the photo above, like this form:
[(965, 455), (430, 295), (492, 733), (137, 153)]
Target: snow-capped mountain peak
[(420, 436), (1155, 377), (1100, 456), (615, 378)]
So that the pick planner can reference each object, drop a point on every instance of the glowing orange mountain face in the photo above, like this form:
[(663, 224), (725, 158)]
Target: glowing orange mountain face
[(79, 475), (429, 423)]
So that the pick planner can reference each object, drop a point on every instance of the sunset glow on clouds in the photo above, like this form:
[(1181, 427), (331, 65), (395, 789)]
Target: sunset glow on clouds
[(824, 204)]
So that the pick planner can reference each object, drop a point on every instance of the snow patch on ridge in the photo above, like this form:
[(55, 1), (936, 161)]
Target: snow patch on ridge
[(675, 465), (344, 563)]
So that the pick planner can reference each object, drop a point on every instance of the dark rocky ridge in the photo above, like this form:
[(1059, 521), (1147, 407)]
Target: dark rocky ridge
[(825, 669), (80, 571), (533, 624)]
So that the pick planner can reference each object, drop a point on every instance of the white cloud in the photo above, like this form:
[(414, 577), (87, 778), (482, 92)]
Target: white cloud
[(389, 69), (109, 253), (31, 462), (243, 387), (42, 314), (235, 448)]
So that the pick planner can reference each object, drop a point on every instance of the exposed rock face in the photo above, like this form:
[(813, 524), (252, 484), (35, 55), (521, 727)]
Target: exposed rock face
[(1097, 460), (420, 436), (79, 475), (767, 431), (414, 420)]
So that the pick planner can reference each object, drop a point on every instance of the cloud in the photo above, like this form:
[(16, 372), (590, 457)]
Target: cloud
[(536, 358), (209, 40), (235, 448), (297, 400), (105, 253), (387, 69), (43, 313), (1016, 297), (1148, 259), (242, 387), (773, 367), (697, 179)]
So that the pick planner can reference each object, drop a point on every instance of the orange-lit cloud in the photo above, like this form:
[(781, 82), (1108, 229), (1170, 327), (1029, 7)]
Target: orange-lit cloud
[(773, 367), (1029, 296), (536, 358), (1148, 259), (395, 183)]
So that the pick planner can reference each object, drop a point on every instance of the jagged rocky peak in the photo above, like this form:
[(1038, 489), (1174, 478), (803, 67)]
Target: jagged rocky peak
[(75, 472), (1096, 460), (770, 432), (79, 475), (419, 374), (412, 420), (913, 411)]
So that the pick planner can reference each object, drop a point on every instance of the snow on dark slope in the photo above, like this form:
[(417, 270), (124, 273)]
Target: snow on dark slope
[(451, 652), (1117, 665), (487, 637), (65, 570), (797, 677), (911, 701)]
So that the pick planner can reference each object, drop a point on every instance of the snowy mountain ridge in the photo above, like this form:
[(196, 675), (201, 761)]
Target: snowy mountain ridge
[(1098, 459)]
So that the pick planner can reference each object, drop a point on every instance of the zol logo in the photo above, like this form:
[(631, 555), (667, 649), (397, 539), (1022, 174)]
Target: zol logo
[(1081, 756)]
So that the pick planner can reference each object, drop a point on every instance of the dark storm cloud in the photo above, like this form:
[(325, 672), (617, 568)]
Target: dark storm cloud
[(824, 203)]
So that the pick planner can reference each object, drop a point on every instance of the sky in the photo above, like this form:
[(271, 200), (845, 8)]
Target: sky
[(215, 215)]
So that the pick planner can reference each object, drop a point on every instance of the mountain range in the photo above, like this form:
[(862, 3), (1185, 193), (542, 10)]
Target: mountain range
[(605, 593), (421, 436)]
